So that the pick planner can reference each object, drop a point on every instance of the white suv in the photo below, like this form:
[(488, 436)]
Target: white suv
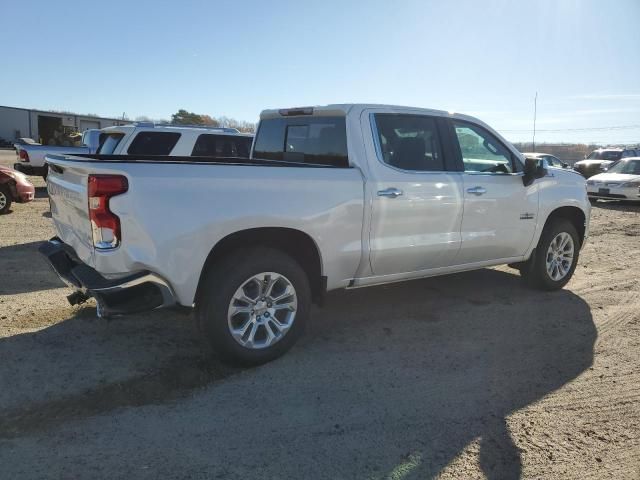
[(175, 140)]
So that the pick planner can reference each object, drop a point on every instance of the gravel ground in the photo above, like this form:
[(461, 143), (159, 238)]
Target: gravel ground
[(464, 376)]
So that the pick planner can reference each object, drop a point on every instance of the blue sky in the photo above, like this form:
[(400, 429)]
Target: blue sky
[(235, 58)]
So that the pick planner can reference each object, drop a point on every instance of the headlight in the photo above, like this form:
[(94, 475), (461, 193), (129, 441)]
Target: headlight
[(590, 182), (634, 184)]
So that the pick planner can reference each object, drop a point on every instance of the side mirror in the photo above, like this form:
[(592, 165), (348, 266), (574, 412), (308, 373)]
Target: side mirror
[(565, 165), (533, 169)]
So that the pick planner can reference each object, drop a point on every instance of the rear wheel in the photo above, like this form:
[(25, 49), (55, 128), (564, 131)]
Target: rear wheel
[(253, 305), (5, 198), (554, 260)]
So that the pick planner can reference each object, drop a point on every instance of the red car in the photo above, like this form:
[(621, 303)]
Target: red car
[(14, 187)]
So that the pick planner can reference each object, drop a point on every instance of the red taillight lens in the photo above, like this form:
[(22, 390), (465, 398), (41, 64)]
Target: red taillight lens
[(105, 225), (24, 156)]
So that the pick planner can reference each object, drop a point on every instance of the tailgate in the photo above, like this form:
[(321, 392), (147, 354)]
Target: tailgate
[(67, 187)]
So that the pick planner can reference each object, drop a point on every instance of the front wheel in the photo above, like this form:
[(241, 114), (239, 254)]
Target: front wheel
[(554, 260), (5, 198), (253, 305)]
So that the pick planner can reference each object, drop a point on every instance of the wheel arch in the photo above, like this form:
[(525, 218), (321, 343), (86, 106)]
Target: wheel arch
[(574, 214), (296, 243)]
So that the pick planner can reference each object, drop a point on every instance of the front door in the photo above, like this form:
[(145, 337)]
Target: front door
[(500, 213), (416, 199)]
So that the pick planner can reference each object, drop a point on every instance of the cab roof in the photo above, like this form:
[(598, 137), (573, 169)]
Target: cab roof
[(342, 109)]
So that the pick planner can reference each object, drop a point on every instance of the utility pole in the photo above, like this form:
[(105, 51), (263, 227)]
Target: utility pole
[(535, 111)]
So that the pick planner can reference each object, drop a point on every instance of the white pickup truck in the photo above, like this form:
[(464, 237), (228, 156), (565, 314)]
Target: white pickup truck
[(32, 155), (142, 138), (340, 196)]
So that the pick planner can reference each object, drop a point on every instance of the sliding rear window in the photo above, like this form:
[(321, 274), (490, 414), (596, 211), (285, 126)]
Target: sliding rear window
[(108, 142), (153, 143), (314, 140)]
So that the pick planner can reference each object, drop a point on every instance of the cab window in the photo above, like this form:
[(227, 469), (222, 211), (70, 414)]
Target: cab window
[(409, 142), (481, 151), (153, 143)]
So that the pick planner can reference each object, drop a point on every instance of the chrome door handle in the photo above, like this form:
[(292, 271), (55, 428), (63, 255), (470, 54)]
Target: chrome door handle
[(390, 192), (477, 190)]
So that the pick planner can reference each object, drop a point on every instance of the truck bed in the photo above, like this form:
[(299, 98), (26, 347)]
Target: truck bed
[(177, 208)]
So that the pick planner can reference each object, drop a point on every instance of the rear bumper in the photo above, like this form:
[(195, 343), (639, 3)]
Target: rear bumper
[(30, 169), (134, 293)]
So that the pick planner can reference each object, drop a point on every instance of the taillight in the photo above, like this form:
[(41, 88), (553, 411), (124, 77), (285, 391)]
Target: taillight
[(105, 225), (24, 156)]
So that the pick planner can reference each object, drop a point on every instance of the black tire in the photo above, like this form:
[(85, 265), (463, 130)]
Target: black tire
[(535, 271), (5, 198), (220, 283)]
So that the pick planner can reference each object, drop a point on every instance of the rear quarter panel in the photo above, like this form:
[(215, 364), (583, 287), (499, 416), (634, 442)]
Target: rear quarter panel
[(174, 214)]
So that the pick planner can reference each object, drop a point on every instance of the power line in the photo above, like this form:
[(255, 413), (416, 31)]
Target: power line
[(589, 129)]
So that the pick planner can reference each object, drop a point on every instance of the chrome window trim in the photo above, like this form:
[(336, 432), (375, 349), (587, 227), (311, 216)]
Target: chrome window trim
[(492, 174)]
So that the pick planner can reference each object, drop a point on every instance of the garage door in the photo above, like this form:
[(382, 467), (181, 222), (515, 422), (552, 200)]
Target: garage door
[(87, 124)]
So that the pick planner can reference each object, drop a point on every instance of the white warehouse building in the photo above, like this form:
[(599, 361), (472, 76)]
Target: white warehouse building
[(44, 127)]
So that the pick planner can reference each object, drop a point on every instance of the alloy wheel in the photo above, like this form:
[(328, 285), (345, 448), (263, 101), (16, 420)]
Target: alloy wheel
[(262, 310), (560, 256)]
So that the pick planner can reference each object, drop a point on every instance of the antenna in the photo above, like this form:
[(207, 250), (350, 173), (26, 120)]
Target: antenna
[(535, 112)]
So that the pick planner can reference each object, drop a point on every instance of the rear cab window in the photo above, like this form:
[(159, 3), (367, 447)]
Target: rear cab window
[(153, 143), (108, 142), (212, 145), (305, 139)]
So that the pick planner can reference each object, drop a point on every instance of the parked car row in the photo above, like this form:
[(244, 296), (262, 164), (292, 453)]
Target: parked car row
[(602, 158)]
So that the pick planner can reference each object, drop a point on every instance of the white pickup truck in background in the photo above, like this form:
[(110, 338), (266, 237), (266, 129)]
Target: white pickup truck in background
[(142, 138), (31, 155), (340, 196)]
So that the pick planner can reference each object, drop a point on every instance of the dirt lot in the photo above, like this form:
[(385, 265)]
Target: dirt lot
[(466, 376)]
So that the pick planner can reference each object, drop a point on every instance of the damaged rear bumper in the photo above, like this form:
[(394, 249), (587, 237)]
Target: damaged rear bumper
[(134, 293)]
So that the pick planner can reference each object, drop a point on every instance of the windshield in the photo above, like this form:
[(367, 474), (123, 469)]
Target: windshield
[(631, 167), (605, 155)]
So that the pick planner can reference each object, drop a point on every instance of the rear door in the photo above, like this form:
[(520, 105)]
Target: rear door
[(416, 197), (499, 211)]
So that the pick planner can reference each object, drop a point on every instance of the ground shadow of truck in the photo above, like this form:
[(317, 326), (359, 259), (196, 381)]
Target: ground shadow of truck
[(404, 375)]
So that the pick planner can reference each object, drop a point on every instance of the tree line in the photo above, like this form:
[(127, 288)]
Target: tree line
[(184, 117)]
